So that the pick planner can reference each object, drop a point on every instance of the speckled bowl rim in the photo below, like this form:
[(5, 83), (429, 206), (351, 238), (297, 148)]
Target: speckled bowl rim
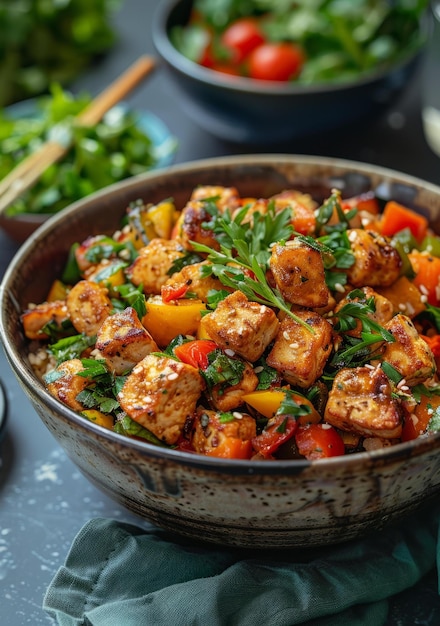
[(226, 466), (206, 76)]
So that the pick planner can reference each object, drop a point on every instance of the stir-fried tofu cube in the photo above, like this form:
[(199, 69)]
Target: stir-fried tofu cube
[(82, 258), (224, 197), (298, 354), (122, 341), (151, 268), (383, 308), (190, 277), (377, 262), (160, 394), (227, 398), (88, 305), (410, 355), (191, 226), (245, 327), (65, 384), (35, 318), (302, 206), (361, 400), (191, 223), (215, 436), (298, 271)]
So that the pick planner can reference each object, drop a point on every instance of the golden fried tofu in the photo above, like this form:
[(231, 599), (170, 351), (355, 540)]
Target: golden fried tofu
[(68, 384), (384, 309), (122, 341), (377, 262), (361, 400), (88, 305), (35, 318), (410, 355), (151, 268), (190, 226), (245, 327), (213, 436), (81, 252), (160, 394), (298, 271), (230, 397), (190, 276), (302, 206), (299, 355), (224, 197)]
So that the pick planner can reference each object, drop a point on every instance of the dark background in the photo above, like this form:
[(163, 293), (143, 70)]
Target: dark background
[(44, 500)]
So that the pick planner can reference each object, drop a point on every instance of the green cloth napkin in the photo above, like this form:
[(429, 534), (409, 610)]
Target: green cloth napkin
[(118, 574)]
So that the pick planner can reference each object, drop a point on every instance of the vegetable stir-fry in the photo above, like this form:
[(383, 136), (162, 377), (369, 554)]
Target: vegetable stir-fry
[(250, 328), (302, 41), (114, 149)]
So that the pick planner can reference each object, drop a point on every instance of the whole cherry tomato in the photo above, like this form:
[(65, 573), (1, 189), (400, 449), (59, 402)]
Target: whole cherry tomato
[(241, 37), (276, 61)]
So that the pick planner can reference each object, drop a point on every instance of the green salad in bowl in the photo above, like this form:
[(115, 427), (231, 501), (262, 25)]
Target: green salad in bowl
[(123, 144), (306, 42)]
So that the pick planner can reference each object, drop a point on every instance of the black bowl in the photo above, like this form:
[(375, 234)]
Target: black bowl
[(243, 110)]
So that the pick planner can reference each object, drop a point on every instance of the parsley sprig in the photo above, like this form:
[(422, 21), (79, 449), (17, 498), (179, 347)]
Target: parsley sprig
[(358, 308), (243, 258)]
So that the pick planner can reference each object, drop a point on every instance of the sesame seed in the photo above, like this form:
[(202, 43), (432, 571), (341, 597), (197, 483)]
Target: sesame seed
[(124, 254), (258, 369), (401, 383), (339, 287), (352, 236), (294, 345), (286, 335), (237, 415), (402, 307), (423, 289), (229, 352), (173, 376), (424, 299), (325, 426)]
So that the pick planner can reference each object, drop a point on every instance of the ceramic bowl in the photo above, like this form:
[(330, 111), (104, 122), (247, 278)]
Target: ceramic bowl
[(163, 143), (248, 111), (276, 504)]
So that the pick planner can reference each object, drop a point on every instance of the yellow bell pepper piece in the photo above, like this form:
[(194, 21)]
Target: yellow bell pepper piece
[(109, 275), (57, 291), (153, 221), (102, 419), (165, 321), (268, 401)]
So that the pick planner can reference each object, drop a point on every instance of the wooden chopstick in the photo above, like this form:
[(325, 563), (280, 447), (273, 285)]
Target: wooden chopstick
[(27, 173)]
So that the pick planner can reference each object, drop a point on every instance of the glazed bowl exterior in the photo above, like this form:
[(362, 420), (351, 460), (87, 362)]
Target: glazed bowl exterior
[(263, 504), (248, 111)]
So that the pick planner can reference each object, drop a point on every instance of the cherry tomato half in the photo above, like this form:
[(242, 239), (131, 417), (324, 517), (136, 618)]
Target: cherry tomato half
[(279, 429), (241, 37), (195, 352), (276, 61), (319, 441)]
